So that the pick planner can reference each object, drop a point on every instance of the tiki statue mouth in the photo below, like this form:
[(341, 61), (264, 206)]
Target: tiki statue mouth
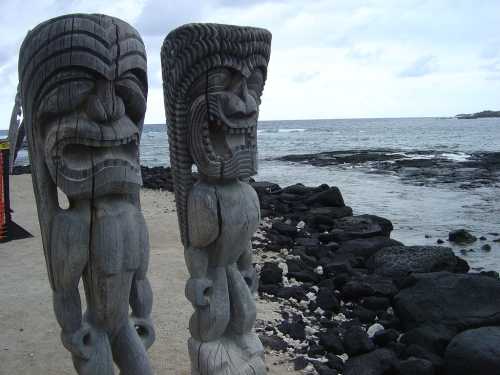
[(88, 159)]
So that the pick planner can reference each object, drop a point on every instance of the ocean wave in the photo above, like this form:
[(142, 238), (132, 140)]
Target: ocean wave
[(294, 130)]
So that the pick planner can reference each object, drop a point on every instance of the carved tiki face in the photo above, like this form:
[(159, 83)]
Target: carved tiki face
[(84, 86), (224, 107), (213, 77)]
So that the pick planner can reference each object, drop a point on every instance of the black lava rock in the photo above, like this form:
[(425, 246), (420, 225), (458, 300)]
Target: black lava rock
[(461, 236), (327, 300), (378, 362), (270, 273), (331, 341), (416, 366), (356, 341), (385, 336), (296, 329), (273, 342), (476, 351)]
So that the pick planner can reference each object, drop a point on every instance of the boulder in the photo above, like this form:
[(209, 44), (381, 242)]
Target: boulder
[(416, 366), (265, 187), (385, 336), (399, 261), (356, 341), (330, 197), (327, 300), (295, 329), (476, 351), (433, 337), (270, 273), (330, 212), (461, 236), (298, 189), (362, 226), (378, 362), (330, 340), (366, 247), (285, 229), (273, 342), (456, 301)]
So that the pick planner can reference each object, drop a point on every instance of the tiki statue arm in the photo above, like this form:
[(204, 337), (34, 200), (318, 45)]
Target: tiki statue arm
[(68, 259), (141, 294)]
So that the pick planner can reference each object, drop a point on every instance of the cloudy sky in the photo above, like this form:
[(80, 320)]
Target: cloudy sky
[(330, 58)]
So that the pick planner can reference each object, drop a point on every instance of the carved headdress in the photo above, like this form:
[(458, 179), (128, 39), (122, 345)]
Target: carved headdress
[(188, 53), (83, 89)]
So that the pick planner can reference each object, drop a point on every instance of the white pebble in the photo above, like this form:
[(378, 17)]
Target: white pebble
[(319, 270), (301, 225), (374, 328)]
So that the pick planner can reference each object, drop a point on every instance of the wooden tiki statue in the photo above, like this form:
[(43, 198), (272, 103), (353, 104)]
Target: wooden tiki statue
[(84, 87), (213, 77)]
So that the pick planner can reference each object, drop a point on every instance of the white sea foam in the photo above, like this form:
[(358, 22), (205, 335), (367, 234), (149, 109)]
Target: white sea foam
[(459, 156)]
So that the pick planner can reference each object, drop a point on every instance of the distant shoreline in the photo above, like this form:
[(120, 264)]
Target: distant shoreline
[(482, 114)]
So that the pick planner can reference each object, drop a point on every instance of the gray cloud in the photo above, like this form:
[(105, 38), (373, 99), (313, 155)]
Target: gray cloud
[(303, 77), (423, 66)]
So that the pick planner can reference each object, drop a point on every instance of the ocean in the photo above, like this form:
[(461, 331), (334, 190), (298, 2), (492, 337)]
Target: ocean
[(422, 210)]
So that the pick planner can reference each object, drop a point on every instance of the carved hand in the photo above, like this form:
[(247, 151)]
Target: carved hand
[(145, 329), (198, 291), (81, 342)]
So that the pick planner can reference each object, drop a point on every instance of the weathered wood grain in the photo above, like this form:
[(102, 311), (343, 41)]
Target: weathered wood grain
[(213, 77), (83, 84)]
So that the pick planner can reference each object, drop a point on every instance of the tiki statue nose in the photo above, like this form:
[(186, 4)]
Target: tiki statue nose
[(105, 105)]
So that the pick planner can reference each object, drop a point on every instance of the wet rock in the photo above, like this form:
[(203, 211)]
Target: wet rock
[(456, 301), (399, 261), (378, 362), (329, 197), (270, 273), (462, 266), (366, 247), (492, 274), (476, 351), (356, 341), (361, 226), (416, 366), (298, 189), (486, 247), (461, 236), (265, 187), (329, 212)]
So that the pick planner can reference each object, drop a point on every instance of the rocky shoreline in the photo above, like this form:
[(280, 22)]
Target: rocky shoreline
[(419, 167), (354, 301)]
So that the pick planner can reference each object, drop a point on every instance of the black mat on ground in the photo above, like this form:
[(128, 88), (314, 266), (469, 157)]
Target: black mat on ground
[(16, 232)]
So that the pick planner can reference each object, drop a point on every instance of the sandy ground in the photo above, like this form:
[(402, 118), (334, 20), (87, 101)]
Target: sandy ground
[(29, 334)]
